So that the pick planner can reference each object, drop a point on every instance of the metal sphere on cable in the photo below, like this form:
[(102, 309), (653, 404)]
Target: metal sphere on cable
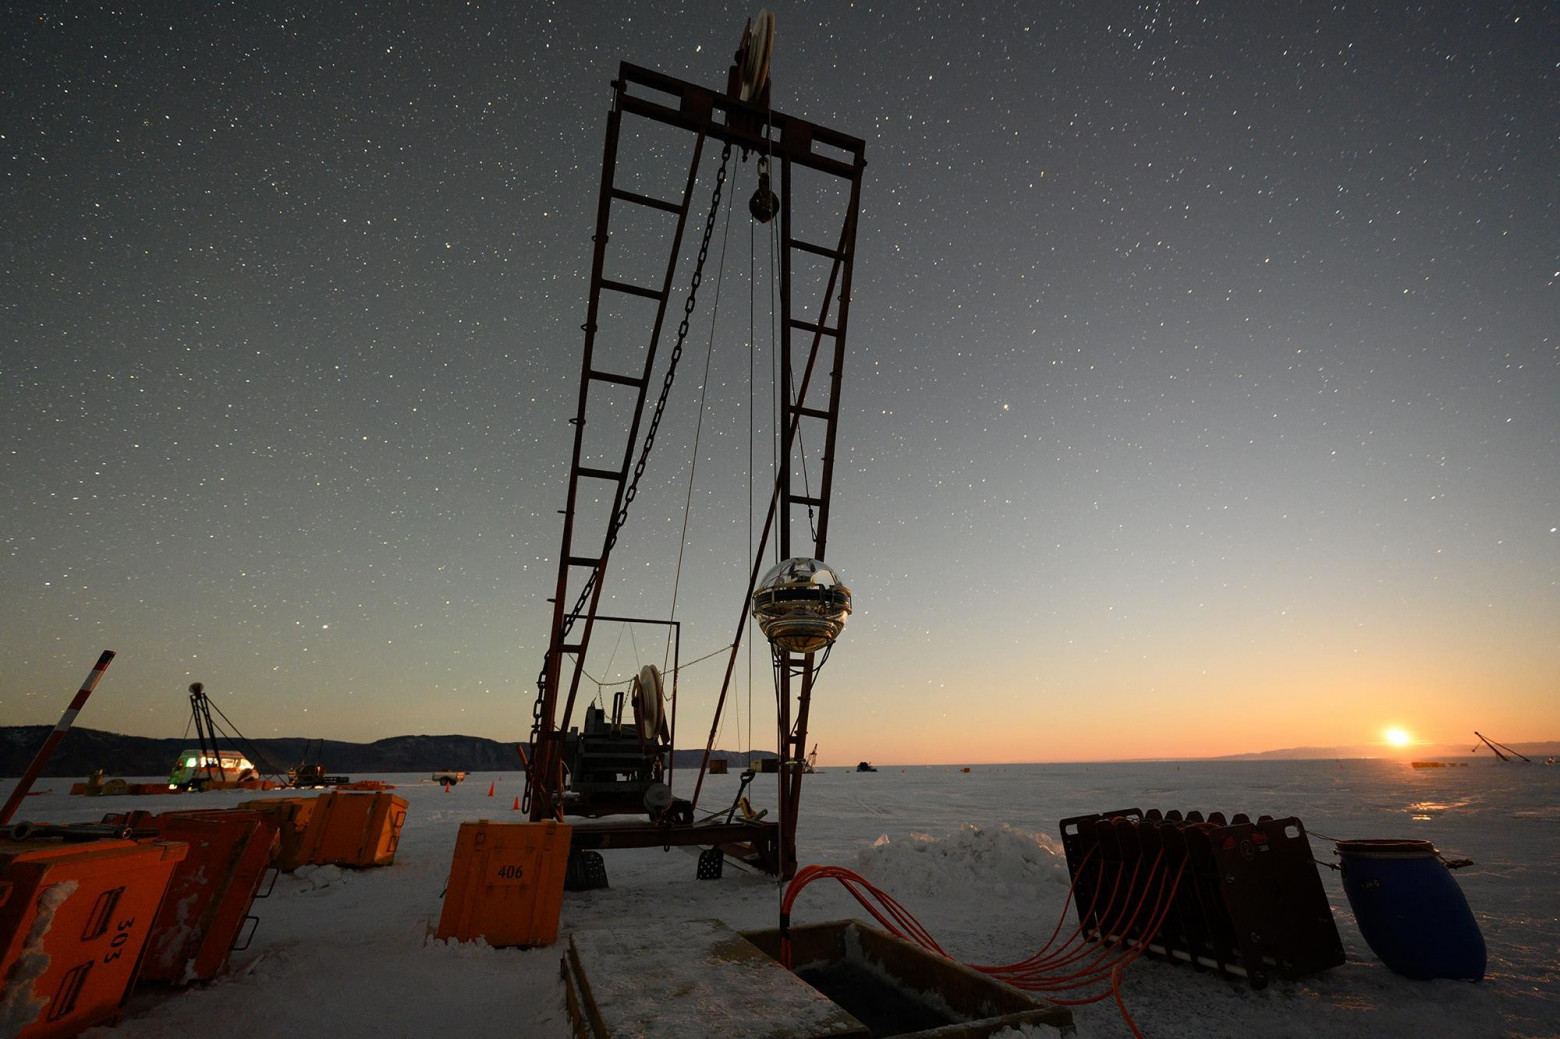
[(801, 605)]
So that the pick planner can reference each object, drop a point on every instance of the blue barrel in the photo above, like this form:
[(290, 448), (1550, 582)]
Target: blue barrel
[(1410, 909)]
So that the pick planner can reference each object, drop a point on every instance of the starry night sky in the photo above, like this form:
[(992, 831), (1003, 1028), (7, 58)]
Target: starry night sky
[(1202, 392)]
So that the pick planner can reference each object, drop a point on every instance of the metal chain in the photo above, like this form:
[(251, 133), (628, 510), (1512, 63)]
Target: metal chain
[(632, 490)]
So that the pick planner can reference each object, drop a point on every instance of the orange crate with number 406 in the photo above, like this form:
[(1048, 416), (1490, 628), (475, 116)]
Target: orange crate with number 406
[(506, 883)]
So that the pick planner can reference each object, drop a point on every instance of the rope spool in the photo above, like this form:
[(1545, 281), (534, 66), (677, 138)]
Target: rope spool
[(647, 694)]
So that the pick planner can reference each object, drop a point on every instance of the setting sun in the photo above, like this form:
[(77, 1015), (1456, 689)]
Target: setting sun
[(1397, 737)]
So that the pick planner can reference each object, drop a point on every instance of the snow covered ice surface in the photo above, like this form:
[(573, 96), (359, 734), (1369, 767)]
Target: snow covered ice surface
[(975, 856)]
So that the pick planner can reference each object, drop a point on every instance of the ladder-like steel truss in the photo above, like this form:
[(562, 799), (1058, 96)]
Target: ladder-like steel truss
[(812, 350)]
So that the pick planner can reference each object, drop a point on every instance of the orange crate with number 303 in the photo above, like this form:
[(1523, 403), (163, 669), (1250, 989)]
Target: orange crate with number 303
[(506, 883), (74, 916)]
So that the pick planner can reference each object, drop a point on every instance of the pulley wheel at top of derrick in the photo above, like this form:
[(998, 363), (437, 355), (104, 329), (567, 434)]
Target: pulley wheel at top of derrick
[(801, 605), (758, 43)]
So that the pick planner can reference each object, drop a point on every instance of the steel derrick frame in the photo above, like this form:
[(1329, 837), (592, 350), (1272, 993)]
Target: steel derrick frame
[(810, 393)]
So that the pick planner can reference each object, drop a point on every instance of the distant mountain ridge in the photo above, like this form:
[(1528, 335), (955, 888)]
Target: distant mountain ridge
[(84, 751), (1536, 749)]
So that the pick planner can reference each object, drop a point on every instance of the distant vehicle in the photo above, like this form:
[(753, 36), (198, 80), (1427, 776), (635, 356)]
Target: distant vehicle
[(196, 769), (865, 766), (305, 775), (448, 776)]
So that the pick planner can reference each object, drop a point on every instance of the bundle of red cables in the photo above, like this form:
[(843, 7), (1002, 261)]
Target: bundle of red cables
[(1090, 956)]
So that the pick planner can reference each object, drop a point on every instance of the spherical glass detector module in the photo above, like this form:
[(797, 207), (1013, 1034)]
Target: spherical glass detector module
[(801, 605)]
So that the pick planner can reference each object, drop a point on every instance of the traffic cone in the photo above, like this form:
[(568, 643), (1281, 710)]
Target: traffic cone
[(517, 804), (446, 788), (490, 788)]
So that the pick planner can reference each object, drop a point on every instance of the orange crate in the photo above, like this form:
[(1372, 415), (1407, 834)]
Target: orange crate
[(74, 919), (230, 851), (292, 815), (506, 883), (356, 829)]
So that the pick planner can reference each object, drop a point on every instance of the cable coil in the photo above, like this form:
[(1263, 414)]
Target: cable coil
[(1088, 958)]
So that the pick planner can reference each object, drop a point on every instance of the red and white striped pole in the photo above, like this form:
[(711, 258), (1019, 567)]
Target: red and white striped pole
[(53, 740)]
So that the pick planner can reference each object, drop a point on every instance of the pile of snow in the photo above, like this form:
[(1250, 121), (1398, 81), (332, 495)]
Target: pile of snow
[(973, 862)]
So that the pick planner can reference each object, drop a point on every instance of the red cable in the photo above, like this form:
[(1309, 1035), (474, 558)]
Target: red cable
[(1026, 974), (1102, 950), (1037, 956), (1121, 1004), (1079, 932)]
